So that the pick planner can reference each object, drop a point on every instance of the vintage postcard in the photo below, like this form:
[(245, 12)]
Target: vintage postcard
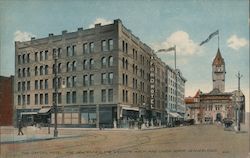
[(118, 79)]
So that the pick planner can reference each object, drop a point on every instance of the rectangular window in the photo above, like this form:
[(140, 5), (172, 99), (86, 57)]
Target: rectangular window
[(91, 79), (59, 98), (111, 44), (46, 98), (41, 56), (73, 50), (19, 87), (104, 78), (23, 86), (41, 84), (74, 97), (85, 48), (91, 96), (68, 82), (24, 101), (46, 54), (110, 95), (103, 95), (28, 99), (46, 84), (69, 51), (36, 56), (85, 97), (123, 95), (68, 98), (41, 99), (19, 100), (85, 80), (28, 85), (123, 46), (36, 99), (111, 76), (104, 46), (91, 45), (126, 97), (74, 81), (19, 59), (59, 53), (28, 58)]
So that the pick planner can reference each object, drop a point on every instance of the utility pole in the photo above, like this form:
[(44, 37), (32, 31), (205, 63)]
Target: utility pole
[(238, 103), (56, 94)]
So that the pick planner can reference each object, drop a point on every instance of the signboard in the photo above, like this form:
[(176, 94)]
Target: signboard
[(152, 83)]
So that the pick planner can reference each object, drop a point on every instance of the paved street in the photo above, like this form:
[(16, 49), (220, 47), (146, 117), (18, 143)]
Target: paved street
[(194, 141)]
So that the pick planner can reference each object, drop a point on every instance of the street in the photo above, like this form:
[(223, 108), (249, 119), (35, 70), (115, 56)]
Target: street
[(188, 141)]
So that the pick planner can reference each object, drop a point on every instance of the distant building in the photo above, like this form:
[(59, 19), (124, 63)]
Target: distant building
[(106, 77), (193, 107), (175, 92), (217, 104), (6, 100)]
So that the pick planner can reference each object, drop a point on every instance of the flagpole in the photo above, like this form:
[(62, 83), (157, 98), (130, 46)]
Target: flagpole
[(175, 57), (218, 39)]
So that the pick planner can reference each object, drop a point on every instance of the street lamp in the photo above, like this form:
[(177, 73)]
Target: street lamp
[(56, 95)]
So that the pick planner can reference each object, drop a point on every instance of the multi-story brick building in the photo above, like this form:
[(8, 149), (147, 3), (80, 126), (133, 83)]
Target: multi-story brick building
[(104, 77), (6, 100)]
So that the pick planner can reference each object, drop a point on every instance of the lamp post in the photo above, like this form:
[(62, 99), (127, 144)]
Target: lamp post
[(56, 94)]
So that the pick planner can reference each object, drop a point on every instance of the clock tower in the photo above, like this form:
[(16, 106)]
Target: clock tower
[(218, 72)]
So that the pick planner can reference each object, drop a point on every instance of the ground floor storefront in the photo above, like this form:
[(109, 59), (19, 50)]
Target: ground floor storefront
[(93, 116)]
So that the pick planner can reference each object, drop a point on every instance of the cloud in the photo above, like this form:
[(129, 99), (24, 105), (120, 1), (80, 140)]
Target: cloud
[(22, 36), (236, 43), (184, 45), (100, 20)]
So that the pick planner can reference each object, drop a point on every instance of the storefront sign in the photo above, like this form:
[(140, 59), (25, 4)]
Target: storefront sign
[(152, 84)]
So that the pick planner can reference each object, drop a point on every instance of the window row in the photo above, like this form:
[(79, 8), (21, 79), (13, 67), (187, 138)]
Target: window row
[(124, 79), (42, 70), (23, 86), (136, 99), (41, 84), (41, 99), (124, 95), (23, 59), (23, 99), (42, 55), (24, 72)]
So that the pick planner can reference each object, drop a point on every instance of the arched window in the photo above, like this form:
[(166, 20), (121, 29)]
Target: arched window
[(46, 69), (126, 64), (59, 68), (28, 72), (24, 72), (23, 58), (85, 64), (19, 72), (36, 71), (74, 66), (91, 64), (111, 61), (68, 66), (123, 63), (41, 70), (104, 62)]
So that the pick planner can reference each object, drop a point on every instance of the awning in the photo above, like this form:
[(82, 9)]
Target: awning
[(44, 110), (28, 113), (173, 114), (131, 108)]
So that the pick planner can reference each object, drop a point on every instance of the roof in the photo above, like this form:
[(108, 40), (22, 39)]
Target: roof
[(218, 60)]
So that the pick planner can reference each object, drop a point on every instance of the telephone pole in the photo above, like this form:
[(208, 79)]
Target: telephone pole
[(238, 103)]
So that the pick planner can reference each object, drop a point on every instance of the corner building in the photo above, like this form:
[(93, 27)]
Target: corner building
[(103, 79)]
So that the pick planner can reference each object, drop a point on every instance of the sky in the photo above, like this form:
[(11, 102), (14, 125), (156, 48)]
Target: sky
[(159, 24)]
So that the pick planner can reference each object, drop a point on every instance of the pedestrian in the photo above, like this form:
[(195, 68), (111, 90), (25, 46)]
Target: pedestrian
[(20, 126)]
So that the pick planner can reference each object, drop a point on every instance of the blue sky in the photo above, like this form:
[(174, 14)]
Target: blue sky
[(160, 24)]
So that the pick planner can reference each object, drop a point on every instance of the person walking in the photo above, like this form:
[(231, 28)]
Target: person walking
[(20, 126)]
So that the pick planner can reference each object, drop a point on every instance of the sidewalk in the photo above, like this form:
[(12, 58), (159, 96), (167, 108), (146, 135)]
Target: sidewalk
[(9, 135)]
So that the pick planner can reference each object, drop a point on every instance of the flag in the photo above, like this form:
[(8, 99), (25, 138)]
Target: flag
[(167, 50), (209, 37)]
